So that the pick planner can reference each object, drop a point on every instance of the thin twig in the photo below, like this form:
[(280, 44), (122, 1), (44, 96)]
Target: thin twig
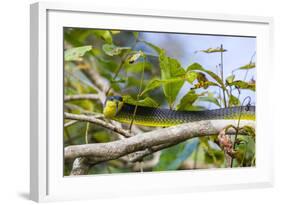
[(117, 73), (97, 122), (71, 122), (138, 96), (81, 97), (238, 126), (222, 78), (86, 133)]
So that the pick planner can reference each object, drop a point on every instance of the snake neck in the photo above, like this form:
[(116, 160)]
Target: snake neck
[(149, 116)]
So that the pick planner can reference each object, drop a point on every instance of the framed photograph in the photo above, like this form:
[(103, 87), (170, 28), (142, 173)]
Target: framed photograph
[(128, 102)]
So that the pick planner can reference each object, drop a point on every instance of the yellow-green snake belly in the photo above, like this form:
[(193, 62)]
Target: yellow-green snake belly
[(159, 117)]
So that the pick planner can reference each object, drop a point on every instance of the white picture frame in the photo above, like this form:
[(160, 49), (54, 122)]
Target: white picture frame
[(46, 179)]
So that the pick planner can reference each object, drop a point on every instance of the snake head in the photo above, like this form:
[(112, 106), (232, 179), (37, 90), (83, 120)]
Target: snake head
[(112, 105)]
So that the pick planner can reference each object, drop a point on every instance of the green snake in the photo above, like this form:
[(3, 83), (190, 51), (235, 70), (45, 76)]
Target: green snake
[(123, 112)]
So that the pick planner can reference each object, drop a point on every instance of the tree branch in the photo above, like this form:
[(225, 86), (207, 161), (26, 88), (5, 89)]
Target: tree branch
[(82, 97), (112, 150), (94, 76), (138, 156), (70, 123), (97, 122), (80, 167)]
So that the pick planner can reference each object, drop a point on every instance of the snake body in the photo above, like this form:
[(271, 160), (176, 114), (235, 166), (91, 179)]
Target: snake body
[(161, 117)]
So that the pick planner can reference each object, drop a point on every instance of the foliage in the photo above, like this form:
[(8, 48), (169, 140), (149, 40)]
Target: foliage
[(74, 54), (127, 63)]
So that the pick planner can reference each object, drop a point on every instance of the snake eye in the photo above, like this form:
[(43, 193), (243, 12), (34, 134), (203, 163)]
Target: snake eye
[(119, 98), (115, 98)]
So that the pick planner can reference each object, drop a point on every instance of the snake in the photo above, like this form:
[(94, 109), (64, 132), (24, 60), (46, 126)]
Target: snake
[(116, 109)]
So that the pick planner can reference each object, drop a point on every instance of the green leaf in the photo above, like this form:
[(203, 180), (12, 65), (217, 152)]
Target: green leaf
[(233, 101), (214, 50), (197, 66), (132, 82), (210, 98), (201, 77), (112, 50), (212, 154), (190, 76), (103, 34), (187, 100), (154, 47), (149, 102), (137, 67), (171, 158), (101, 136), (248, 66), (136, 34), (245, 150), (205, 84), (250, 131), (151, 85), (170, 68), (156, 82), (114, 32), (119, 80), (230, 79), (74, 54), (106, 67), (244, 85), (134, 57)]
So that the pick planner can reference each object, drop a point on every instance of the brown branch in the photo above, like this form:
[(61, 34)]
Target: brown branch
[(96, 121), (82, 97), (80, 167), (94, 76), (112, 150), (138, 156)]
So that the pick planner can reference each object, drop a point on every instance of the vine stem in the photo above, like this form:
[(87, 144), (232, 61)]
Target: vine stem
[(223, 91), (86, 133), (237, 128), (139, 93), (117, 72)]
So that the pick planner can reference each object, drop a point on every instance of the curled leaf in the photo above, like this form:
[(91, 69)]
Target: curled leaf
[(112, 50), (205, 84), (214, 50), (230, 79), (225, 142), (74, 54), (248, 66), (134, 57), (244, 85), (198, 67)]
